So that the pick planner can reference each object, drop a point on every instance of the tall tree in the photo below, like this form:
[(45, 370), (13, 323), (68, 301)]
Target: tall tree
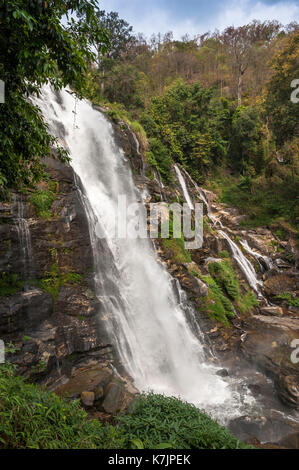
[(242, 42)]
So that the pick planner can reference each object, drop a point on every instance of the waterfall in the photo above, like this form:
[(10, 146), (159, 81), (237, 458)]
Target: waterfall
[(263, 261), (24, 236), (153, 327), (212, 218), (184, 187), (244, 264)]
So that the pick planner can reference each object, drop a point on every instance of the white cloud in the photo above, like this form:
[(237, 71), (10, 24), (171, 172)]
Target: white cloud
[(147, 18), (240, 12)]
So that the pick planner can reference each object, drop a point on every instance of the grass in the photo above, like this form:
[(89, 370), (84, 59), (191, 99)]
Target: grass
[(33, 418), (10, 284), (42, 201), (247, 302)]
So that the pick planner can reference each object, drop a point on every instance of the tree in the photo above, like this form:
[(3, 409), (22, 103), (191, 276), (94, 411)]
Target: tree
[(242, 43), (36, 48), (120, 35)]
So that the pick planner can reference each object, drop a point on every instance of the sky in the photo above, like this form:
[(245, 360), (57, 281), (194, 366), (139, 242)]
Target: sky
[(199, 16)]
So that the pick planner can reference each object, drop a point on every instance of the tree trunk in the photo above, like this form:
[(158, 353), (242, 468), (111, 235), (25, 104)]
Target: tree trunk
[(240, 82)]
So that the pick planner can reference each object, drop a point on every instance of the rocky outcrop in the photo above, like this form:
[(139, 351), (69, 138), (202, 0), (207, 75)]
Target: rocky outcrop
[(268, 343), (52, 317)]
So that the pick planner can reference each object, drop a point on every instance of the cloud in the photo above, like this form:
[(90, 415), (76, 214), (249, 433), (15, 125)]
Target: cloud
[(149, 17)]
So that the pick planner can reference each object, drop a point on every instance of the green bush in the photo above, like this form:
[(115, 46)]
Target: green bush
[(247, 302), (156, 421), (224, 254), (292, 302)]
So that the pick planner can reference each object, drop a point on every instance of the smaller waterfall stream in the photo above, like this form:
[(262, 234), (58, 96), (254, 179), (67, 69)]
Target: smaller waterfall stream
[(184, 187), (265, 262), (24, 236), (244, 264)]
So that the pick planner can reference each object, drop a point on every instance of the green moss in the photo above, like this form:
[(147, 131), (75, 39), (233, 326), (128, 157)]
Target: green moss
[(42, 201), (223, 254), (226, 278), (218, 307), (178, 250), (10, 284)]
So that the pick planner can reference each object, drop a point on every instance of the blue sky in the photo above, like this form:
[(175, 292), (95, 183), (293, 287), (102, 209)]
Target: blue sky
[(199, 16)]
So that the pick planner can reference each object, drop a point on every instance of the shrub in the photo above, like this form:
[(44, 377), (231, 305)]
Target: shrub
[(160, 422), (9, 284), (178, 250)]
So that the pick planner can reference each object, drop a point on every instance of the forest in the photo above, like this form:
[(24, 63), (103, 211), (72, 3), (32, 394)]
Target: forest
[(218, 103)]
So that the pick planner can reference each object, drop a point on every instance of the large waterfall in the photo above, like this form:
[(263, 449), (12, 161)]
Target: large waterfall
[(149, 323)]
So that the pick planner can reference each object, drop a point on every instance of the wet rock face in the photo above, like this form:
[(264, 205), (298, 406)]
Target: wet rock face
[(52, 318), (268, 343)]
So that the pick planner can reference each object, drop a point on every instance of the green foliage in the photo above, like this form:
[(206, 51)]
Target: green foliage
[(227, 282), (157, 422), (267, 202), (10, 284), (55, 279), (159, 157), (217, 305), (186, 124), (42, 201), (226, 278), (246, 150), (292, 302), (31, 418), (282, 112), (36, 48), (247, 302), (224, 254)]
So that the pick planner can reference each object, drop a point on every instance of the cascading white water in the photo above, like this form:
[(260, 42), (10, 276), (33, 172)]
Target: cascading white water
[(184, 187), (266, 261), (149, 325), (24, 236), (244, 264)]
